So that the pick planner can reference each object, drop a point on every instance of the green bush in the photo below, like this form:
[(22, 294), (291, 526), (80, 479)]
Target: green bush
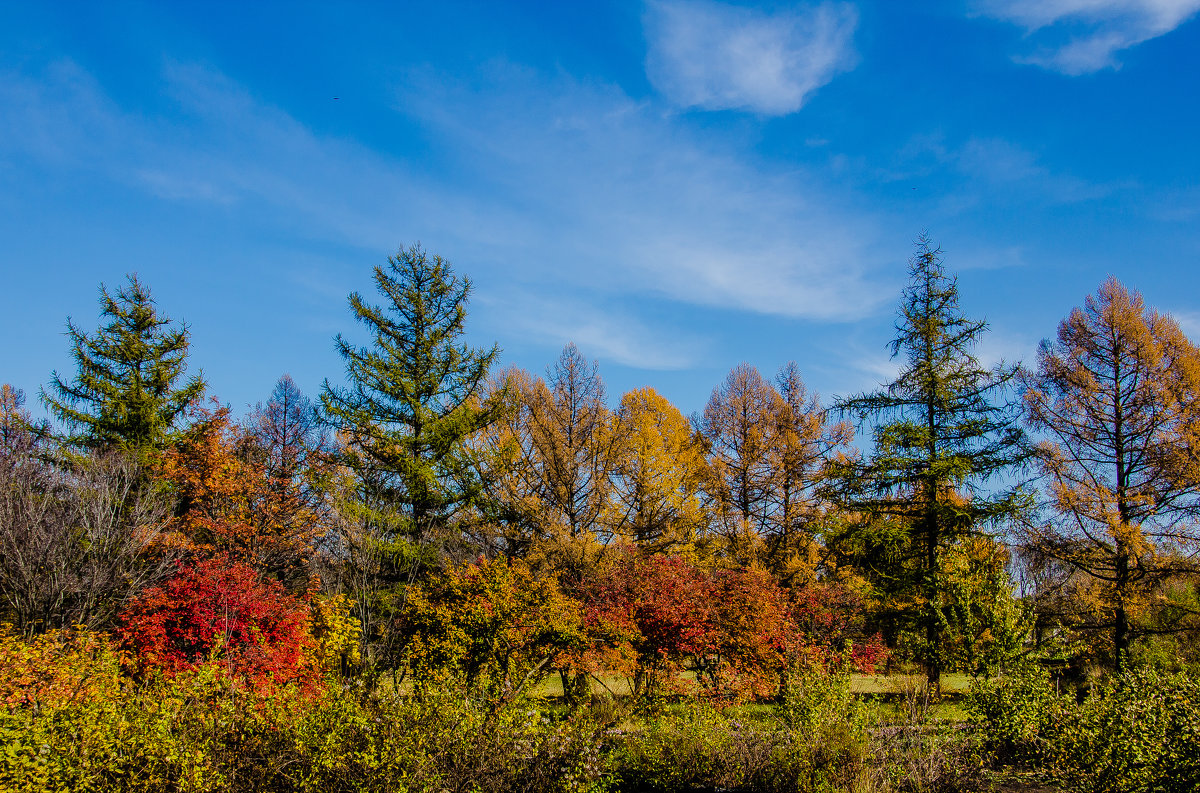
[(1139, 731), (1014, 712), (819, 741)]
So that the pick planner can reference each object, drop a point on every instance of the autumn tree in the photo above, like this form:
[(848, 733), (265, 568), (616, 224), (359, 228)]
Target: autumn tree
[(943, 435), (552, 453), (289, 442), (658, 471), (804, 441), (659, 609), (289, 430), (738, 428), (127, 390), (1117, 398), (767, 447), (230, 502)]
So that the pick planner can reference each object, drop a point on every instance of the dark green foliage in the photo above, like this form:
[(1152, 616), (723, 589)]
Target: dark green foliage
[(413, 395), (126, 392), (943, 434)]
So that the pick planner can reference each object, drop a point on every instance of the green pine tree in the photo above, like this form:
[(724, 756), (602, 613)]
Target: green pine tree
[(127, 391), (945, 438), (414, 395)]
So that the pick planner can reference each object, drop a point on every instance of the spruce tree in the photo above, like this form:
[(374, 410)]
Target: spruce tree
[(945, 437), (127, 391), (413, 396)]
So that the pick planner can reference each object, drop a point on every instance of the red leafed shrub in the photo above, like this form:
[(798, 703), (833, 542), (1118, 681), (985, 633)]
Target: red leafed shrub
[(660, 608), (831, 617), (220, 610)]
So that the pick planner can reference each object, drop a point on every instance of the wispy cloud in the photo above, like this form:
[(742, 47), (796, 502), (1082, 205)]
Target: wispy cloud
[(721, 57), (607, 332), (631, 201), (1082, 36), (1189, 323), (993, 169), (1000, 162), (585, 190)]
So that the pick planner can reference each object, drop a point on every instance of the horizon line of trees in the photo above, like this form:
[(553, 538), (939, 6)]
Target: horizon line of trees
[(1081, 476)]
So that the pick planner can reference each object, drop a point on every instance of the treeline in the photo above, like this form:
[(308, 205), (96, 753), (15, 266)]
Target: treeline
[(439, 516)]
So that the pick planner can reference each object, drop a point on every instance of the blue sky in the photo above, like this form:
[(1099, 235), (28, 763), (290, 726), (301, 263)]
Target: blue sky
[(675, 186)]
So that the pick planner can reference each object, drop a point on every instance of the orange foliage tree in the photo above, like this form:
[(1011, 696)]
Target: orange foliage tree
[(1117, 396), (230, 501)]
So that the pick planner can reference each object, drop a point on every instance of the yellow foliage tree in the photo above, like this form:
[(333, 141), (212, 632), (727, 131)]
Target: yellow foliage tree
[(658, 471), (550, 458), (1117, 397)]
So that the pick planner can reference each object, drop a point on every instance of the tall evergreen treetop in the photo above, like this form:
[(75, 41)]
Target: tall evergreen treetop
[(126, 392), (945, 432), (413, 394)]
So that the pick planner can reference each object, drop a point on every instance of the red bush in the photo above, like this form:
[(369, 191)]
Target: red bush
[(223, 611)]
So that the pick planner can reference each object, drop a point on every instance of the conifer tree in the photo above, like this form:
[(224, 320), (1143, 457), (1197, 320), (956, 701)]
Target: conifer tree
[(126, 392), (413, 395), (804, 439), (547, 464), (942, 431), (738, 428), (1117, 397), (658, 472)]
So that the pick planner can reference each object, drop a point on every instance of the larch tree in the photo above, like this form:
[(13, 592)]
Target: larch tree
[(127, 391), (288, 440), (804, 440), (738, 428), (552, 456), (412, 395), (658, 473), (944, 437), (1116, 397), (570, 429)]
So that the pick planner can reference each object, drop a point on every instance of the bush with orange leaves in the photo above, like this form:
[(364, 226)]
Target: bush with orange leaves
[(57, 669)]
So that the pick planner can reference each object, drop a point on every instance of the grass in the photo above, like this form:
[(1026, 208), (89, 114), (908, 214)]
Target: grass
[(889, 689)]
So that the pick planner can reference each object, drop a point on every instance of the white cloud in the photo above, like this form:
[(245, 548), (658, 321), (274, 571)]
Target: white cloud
[(604, 332), (999, 162), (992, 170), (584, 191), (1189, 323), (721, 57), (1082, 36)]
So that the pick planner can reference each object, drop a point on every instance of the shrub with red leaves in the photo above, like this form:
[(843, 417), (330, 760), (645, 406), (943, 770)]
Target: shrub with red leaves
[(831, 617), (222, 611)]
